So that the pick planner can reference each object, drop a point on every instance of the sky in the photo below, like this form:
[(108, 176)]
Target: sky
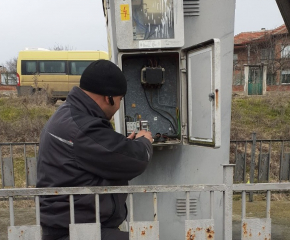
[(80, 24)]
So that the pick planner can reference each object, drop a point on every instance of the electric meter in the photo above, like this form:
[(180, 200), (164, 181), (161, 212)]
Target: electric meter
[(149, 24)]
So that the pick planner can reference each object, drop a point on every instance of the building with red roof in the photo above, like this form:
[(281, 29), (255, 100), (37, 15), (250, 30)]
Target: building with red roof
[(265, 49)]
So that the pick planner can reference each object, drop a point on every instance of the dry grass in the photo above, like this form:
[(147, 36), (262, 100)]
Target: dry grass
[(280, 209), (22, 118), (268, 116)]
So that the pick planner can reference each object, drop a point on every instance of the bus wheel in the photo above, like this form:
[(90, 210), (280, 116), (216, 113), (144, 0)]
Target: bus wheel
[(51, 100)]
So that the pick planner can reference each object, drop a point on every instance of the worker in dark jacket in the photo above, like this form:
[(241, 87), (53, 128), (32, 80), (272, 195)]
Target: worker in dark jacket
[(79, 147)]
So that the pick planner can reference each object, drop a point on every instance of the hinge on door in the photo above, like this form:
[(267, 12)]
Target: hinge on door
[(183, 64)]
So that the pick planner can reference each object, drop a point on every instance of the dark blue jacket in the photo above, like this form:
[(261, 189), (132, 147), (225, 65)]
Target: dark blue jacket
[(78, 147)]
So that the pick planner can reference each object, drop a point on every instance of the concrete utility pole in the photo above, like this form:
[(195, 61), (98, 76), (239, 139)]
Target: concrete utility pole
[(0, 73)]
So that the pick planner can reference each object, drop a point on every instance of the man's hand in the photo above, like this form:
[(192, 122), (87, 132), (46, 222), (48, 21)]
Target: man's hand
[(146, 134), (132, 135)]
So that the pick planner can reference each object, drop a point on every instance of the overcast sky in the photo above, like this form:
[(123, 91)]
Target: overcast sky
[(80, 24)]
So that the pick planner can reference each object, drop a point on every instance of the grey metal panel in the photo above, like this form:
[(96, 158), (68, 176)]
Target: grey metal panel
[(263, 167), (199, 229), (239, 167), (144, 230), (256, 229), (32, 232), (31, 171), (284, 171), (87, 231), (199, 88), (204, 105), (8, 172)]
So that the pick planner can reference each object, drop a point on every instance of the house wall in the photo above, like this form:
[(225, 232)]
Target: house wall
[(283, 87), (238, 88)]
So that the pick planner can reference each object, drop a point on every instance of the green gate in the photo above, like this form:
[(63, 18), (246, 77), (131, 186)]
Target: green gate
[(255, 83)]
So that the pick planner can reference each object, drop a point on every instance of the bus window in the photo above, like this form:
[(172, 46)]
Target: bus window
[(77, 67), (52, 67), (57, 72), (28, 67)]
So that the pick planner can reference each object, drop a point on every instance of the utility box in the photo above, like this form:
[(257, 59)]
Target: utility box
[(177, 59)]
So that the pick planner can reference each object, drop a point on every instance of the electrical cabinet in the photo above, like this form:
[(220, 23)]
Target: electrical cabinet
[(174, 94), (172, 91), (153, 97)]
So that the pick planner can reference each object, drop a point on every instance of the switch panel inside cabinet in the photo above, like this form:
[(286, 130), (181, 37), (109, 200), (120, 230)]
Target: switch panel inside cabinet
[(152, 99)]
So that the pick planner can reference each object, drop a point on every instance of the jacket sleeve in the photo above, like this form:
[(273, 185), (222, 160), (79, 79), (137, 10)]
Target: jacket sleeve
[(110, 155)]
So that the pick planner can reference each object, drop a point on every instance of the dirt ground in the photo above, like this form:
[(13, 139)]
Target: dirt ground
[(280, 214)]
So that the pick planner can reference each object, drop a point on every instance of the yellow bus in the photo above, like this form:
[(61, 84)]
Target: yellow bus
[(56, 72)]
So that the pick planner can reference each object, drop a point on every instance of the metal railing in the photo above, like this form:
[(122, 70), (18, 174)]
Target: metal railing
[(251, 228), (22, 158), (194, 229), (13, 153), (255, 161), (260, 160)]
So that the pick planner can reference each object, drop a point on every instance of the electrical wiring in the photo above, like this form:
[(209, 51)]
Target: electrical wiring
[(129, 119), (160, 104), (162, 110), (152, 108)]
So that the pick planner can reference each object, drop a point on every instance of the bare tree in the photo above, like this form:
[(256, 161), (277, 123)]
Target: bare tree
[(271, 49), (8, 73), (11, 65)]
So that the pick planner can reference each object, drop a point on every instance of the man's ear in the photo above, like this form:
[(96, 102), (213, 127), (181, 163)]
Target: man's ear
[(109, 100)]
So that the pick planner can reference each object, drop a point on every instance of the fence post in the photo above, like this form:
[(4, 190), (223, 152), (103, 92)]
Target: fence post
[(228, 170), (252, 167)]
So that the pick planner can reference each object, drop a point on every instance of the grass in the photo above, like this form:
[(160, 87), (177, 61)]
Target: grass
[(268, 116), (21, 119), (280, 210)]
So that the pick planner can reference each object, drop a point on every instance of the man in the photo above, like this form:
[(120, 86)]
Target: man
[(78, 147)]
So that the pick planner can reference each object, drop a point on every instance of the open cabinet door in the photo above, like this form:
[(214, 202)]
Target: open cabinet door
[(203, 89)]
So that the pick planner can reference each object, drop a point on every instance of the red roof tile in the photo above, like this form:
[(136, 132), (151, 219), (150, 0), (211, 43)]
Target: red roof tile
[(245, 37)]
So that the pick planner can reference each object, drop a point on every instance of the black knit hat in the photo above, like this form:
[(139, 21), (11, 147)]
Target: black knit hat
[(104, 78)]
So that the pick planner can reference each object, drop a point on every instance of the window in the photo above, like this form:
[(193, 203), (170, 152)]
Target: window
[(235, 58), (285, 76), (285, 53), (238, 78), (77, 67), (266, 53), (28, 67), (152, 20), (271, 79), (52, 67)]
